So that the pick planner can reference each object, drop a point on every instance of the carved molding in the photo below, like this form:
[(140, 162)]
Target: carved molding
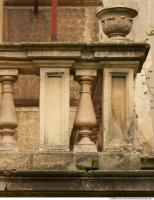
[(30, 57)]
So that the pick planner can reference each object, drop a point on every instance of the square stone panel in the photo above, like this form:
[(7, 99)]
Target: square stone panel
[(28, 129)]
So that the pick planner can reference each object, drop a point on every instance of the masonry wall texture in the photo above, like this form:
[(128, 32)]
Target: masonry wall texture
[(79, 24), (75, 24)]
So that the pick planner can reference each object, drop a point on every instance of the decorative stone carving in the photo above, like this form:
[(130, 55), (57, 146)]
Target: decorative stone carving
[(117, 21), (8, 119), (85, 119)]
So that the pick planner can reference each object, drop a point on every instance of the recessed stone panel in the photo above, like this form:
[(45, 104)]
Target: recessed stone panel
[(54, 109)]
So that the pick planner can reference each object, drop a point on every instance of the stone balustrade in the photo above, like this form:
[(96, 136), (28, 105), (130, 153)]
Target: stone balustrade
[(115, 63)]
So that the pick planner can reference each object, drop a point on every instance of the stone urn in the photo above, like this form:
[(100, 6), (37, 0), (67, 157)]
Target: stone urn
[(117, 21)]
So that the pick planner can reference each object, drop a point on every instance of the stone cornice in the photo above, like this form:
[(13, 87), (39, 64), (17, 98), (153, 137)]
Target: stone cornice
[(29, 57)]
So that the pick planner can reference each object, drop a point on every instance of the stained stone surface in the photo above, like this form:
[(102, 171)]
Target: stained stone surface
[(74, 24), (28, 129), (54, 161), (27, 134), (74, 91), (27, 87), (69, 161), (89, 160), (39, 161), (119, 161), (15, 161)]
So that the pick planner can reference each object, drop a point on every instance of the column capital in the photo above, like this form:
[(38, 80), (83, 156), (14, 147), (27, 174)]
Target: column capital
[(8, 72), (86, 72)]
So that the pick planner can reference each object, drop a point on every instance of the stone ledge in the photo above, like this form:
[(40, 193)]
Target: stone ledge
[(59, 183), (30, 57)]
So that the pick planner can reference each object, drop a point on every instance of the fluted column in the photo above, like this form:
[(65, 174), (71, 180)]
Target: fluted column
[(8, 119), (85, 119)]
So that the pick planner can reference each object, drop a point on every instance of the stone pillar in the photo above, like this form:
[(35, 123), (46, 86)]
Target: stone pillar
[(8, 119), (118, 90), (118, 118), (118, 108), (85, 119), (1, 20), (54, 109)]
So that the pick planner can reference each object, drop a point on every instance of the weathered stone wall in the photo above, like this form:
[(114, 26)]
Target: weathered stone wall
[(75, 24)]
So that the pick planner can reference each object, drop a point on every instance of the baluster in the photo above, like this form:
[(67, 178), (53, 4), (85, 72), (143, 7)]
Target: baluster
[(8, 119), (85, 119)]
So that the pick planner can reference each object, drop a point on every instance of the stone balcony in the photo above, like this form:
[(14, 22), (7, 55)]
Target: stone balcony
[(75, 135), (96, 129), (71, 148)]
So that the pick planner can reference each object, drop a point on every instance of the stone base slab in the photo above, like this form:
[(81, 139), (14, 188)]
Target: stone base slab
[(70, 161), (119, 161), (15, 161), (54, 161), (39, 161)]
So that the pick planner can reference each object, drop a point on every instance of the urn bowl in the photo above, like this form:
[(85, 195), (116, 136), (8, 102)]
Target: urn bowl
[(117, 21)]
